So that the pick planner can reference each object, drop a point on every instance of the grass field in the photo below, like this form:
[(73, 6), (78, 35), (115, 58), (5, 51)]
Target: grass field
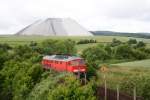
[(118, 73), (21, 40), (141, 63), (13, 40)]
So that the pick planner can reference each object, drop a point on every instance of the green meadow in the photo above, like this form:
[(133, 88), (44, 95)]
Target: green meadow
[(21, 40)]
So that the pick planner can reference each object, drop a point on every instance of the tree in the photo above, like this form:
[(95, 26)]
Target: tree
[(115, 42), (95, 55), (140, 44), (132, 41), (123, 51), (58, 47)]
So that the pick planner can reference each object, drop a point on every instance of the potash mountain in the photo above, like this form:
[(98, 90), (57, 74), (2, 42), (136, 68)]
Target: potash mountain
[(55, 27)]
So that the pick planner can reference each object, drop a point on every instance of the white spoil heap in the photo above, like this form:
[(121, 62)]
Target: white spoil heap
[(55, 27)]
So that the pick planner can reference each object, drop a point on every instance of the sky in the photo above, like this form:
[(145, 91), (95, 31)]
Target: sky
[(94, 15)]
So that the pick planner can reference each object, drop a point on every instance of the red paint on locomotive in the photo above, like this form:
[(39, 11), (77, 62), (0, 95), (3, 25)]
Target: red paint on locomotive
[(64, 63)]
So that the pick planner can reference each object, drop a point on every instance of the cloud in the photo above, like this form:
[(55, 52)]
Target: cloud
[(115, 15)]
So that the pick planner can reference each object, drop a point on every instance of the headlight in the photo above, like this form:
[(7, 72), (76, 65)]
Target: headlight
[(76, 70)]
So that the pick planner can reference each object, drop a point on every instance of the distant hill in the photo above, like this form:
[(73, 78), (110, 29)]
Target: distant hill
[(111, 33)]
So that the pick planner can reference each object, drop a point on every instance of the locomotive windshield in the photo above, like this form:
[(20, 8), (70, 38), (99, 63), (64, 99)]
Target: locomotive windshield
[(77, 63)]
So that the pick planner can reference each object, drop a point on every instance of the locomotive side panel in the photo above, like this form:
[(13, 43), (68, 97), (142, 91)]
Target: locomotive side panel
[(69, 68), (74, 64)]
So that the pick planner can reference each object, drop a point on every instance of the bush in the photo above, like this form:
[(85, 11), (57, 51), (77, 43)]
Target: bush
[(123, 51), (72, 90), (5, 47), (139, 55), (140, 82)]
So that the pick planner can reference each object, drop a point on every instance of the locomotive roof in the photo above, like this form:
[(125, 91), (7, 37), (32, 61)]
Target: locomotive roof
[(61, 57)]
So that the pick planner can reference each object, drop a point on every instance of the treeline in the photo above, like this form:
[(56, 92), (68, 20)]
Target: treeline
[(111, 33), (116, 50), (86, 41)]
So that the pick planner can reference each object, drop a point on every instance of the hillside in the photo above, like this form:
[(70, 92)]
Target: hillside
[(111, 33)]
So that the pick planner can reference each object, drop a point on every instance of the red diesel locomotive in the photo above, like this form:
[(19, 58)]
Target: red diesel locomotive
[(64, 63)]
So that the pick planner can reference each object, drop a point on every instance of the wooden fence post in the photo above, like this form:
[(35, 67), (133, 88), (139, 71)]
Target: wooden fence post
[(85, 77), (134, 93), (105, 87), (117, 92)]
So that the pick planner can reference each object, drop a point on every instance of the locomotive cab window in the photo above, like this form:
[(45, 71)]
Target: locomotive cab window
[(82, 62), (77, 63), (74, 63)]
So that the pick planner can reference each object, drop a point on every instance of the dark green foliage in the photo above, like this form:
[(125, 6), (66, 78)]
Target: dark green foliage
[(139, 55), (58, 47), (71, 89), (62, 86), (145, 89), (20, 73), (140, 44), (33, 44), (140, 82), (95, 55), (132, 41), (86, 41), (91, 71), (115, 42), (22, 76), (5, 47), (4, 56), (23, 51), (123, 52)]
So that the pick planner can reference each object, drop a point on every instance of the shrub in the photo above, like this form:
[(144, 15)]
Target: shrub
[(123, 51), (132, 41), (115, 42), (140, 44)]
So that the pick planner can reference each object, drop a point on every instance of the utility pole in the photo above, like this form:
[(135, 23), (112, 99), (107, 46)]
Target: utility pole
[(85, 77)]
